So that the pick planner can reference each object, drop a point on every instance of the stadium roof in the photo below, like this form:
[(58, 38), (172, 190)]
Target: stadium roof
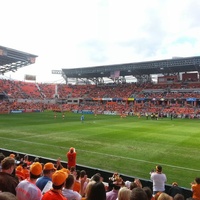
[(11, 60), (168, 66)]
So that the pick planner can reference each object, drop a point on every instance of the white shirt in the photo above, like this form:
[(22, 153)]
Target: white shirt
[(71, 195), (159, 180), (27, 190)]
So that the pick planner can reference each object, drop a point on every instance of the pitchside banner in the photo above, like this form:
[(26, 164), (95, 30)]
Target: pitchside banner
[(30, 77)]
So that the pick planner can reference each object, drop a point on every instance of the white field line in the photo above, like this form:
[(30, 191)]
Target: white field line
[(104, 154)]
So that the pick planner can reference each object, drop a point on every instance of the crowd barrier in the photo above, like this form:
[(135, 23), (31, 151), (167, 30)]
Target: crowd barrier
[(91, 171)]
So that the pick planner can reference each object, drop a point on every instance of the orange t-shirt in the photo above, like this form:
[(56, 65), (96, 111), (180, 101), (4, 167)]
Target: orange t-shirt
[(26, 173), (71, 159), (196, 191), (77, 186), (53, 194)]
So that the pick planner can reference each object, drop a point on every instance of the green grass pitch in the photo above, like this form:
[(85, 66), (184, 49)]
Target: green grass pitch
[(129, 146)]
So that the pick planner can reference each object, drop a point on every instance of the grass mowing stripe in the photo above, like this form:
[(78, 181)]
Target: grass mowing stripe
[(130, 145), (108, 155)]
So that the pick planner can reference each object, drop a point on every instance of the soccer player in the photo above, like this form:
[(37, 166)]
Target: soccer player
[(82, 118)]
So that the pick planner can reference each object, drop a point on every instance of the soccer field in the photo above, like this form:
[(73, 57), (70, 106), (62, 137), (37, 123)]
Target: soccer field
[(129, 146)]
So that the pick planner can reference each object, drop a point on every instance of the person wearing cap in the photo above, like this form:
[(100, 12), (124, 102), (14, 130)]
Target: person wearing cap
[(71, 158), (45, 181), (8, 182), (58, 179), (27, 188), (158, 178)]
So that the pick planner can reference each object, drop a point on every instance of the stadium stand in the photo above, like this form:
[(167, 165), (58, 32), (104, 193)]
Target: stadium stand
[(177, 91), (22, 92), (139, 98)]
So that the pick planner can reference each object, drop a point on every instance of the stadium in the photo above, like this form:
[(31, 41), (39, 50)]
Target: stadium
[(137, 115)]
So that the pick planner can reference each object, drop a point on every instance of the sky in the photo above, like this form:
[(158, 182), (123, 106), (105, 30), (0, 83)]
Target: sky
[(87, 33)]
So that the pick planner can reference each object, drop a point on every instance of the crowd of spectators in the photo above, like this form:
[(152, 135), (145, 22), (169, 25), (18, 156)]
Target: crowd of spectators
[(26, 90), (22, 179), (148, 97)]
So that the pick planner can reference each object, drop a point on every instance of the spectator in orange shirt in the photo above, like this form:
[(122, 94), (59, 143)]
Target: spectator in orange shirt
[(71, 157), (58, 179), (77, 183), (195, 187), (25, 170)]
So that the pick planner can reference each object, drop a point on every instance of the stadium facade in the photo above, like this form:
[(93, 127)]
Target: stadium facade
[(169, 69)]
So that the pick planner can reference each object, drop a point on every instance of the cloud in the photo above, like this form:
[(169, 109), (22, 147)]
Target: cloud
[(95, 51), (69, 34)]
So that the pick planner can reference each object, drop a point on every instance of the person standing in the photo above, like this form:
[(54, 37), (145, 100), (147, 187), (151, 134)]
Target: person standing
[(158, 179), (171, 115), (63, 115), (71, 158), (147, 116), (82, 118)]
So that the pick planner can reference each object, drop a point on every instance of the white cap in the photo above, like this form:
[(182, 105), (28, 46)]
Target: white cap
[(128, 184)]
